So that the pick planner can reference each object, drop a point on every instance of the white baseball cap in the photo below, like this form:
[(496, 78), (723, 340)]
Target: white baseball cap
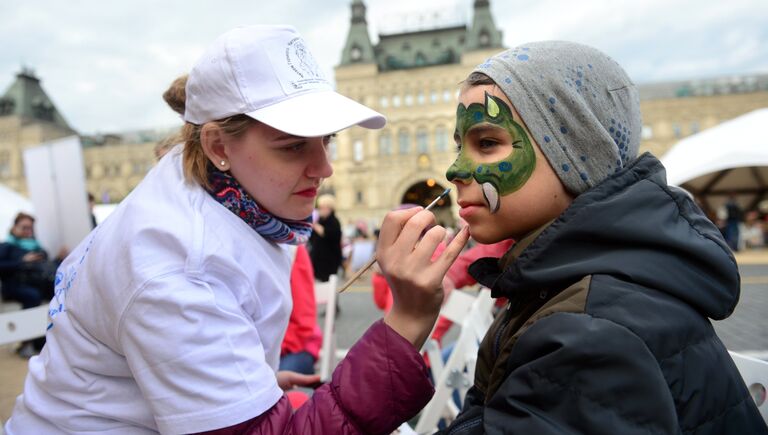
[(267, 73)]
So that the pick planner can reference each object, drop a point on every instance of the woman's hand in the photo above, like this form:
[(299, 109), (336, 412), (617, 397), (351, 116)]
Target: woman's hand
[(319, 229), (32, 257), (405, 259), (288, 380)]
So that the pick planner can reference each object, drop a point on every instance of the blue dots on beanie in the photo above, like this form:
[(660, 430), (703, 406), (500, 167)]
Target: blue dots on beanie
[(563, 81), (508, 80)]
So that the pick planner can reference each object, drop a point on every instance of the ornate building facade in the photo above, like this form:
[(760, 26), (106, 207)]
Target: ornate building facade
[(412, 77)]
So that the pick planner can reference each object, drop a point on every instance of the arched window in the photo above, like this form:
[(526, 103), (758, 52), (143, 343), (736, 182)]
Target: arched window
[(441, 138), (385, 144), (422, 146), (404, 141), (357, 148)]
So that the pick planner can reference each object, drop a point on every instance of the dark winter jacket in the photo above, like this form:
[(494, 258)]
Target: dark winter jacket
[(607, 329)]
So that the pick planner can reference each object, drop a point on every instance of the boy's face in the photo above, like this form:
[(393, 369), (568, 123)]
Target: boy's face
[(505, 185)]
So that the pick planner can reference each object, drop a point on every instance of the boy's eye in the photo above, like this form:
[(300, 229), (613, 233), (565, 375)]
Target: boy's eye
[(487, 143)]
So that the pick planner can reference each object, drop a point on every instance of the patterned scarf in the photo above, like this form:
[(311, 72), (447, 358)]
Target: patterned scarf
[(229, 193)]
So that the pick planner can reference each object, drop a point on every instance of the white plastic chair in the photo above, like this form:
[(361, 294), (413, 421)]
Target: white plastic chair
[(755, 374), (325, 294), (473, 314), (23, 325)]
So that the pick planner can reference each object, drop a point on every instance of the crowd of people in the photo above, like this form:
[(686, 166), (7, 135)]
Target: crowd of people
[(741, 230), (188, 310)]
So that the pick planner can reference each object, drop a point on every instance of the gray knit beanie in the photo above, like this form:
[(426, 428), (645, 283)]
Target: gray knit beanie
[(579, 105)]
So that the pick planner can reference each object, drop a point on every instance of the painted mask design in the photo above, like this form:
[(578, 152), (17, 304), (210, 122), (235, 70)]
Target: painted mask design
[(504, 176)]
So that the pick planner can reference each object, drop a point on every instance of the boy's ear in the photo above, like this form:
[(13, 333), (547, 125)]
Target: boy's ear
[(212, 141)]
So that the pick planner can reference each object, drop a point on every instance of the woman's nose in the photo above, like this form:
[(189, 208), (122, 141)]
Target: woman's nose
[(319, 165)]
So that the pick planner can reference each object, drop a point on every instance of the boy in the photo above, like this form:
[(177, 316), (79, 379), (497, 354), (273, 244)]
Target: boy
[(614, 275)]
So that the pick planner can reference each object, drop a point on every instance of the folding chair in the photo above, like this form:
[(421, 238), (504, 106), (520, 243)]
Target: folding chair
[(325, 294), (23, 325), (473, 314), (755, 374)]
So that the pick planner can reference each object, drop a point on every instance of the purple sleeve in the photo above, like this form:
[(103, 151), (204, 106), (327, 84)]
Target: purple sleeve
[(381, 383)]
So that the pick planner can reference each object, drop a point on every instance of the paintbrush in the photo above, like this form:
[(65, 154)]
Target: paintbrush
[(373, 260)]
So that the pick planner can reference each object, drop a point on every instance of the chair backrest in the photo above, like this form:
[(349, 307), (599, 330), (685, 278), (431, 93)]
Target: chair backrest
[(23, 325), (755, 374), (325, 294), (473, 314)]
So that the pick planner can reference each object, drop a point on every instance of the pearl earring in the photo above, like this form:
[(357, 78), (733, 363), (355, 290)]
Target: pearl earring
[(223, 163)]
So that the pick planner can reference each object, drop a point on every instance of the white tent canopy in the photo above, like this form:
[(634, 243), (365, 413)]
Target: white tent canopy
[(728, 159), (12, 203)]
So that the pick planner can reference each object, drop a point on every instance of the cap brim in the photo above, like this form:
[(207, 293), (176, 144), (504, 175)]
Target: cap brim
[(316, 114)]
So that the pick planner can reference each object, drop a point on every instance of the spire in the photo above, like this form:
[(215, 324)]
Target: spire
[(483, 33), (358, 48), (27, 99)]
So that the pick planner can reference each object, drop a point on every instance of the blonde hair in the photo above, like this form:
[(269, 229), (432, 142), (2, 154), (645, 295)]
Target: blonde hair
[(326, 200), (196, 163)]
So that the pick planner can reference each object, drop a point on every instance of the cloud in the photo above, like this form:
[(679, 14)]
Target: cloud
[(106, 64)]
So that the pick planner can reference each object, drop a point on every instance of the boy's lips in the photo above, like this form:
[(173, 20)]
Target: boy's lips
[(469, 208)]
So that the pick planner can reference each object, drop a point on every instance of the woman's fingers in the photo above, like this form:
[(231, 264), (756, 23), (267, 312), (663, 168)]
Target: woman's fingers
[(446, 259), (393, 224), (413, 230)]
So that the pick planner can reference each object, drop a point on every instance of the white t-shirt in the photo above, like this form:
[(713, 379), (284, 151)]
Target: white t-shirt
[(168, 317)]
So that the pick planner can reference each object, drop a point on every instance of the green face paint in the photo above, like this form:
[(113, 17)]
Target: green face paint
[(504, 176)]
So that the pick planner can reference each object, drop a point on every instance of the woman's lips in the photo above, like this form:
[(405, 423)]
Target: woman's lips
[(309, 193)]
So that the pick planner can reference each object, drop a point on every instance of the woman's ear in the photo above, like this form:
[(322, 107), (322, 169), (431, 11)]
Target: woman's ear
[(212, 140)]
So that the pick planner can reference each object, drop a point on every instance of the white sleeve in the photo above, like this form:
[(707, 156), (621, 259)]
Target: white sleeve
[(197, 358)]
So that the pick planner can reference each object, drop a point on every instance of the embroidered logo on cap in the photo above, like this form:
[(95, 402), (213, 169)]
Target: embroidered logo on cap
[(306, 72)]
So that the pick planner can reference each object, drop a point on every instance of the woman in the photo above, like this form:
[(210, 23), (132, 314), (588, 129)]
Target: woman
[(169, 316)]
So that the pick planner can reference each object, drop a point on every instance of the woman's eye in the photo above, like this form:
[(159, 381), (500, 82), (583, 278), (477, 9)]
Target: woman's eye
[(327, 139), (295, 147)]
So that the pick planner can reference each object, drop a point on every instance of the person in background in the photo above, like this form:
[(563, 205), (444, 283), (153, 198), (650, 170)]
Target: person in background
[(325, 242), (754, 231), (26, 273), (91, 205), (733, 217), (303, 338)]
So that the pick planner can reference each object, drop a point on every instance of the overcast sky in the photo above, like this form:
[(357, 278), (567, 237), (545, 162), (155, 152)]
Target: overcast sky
[(105, 64)]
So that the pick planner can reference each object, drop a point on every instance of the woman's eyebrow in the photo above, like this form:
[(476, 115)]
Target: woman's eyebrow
[(286, 136)]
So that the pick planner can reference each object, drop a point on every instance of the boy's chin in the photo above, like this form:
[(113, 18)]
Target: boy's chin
[(486, 236)]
